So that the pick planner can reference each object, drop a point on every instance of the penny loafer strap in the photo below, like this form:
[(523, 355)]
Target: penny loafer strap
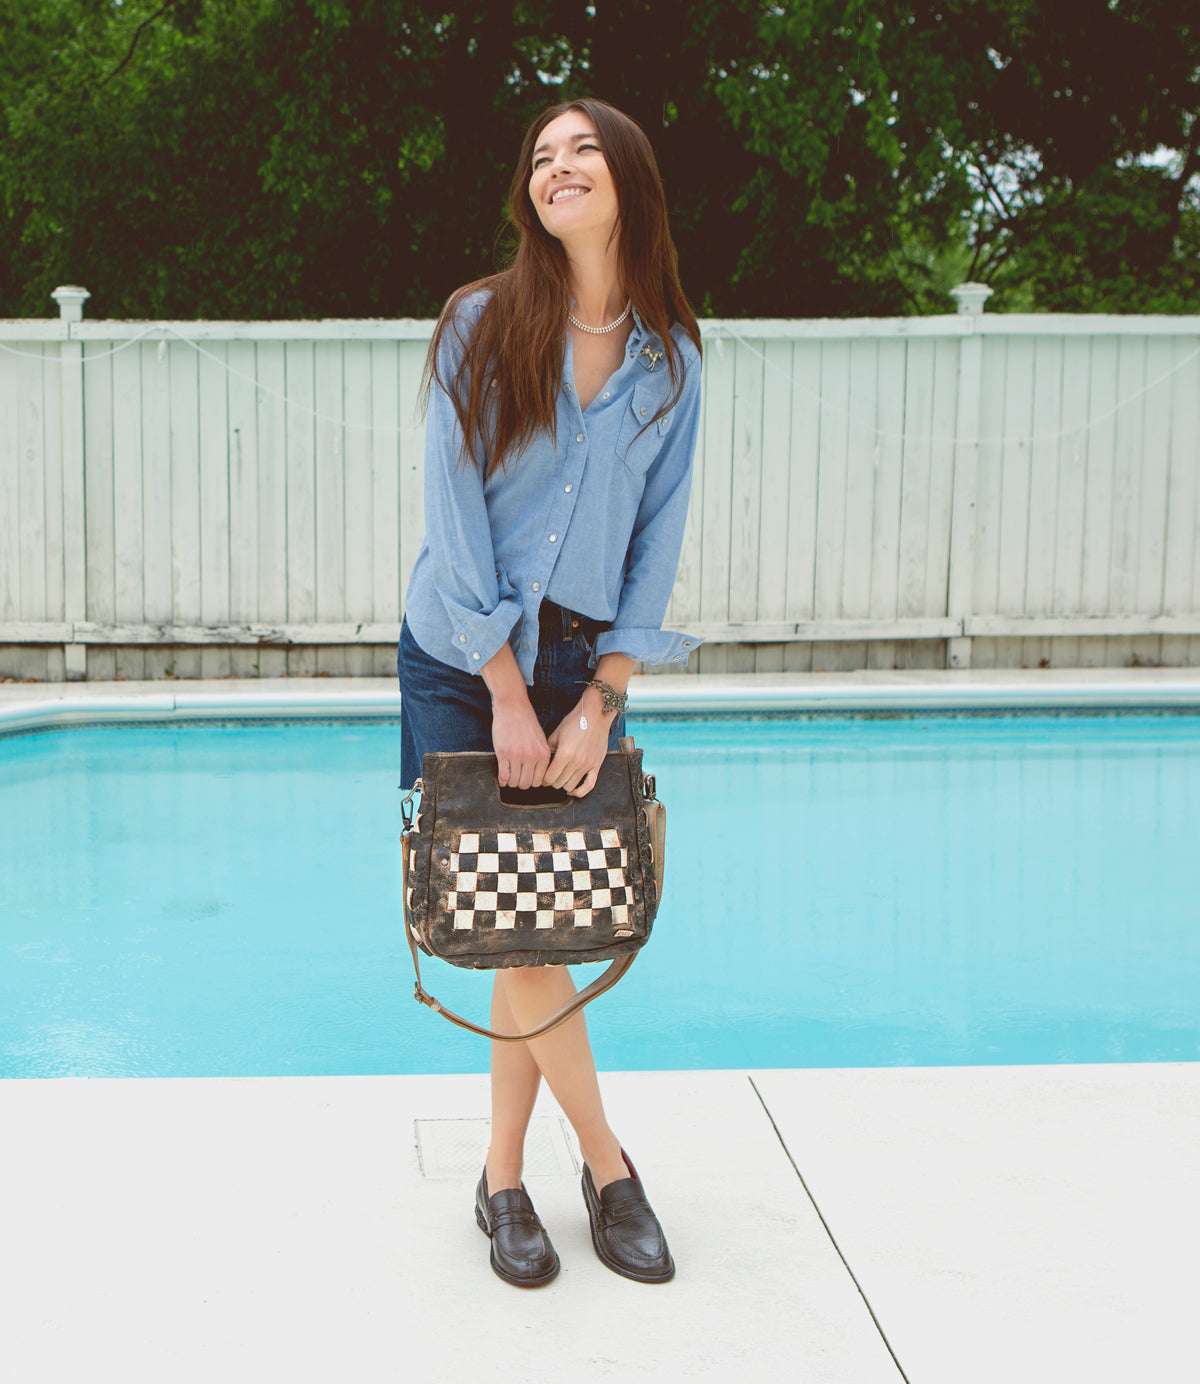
[(627, 1209), (514, 1217)]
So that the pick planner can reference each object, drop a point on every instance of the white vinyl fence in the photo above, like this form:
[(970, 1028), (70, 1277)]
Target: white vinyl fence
[(216, 498)]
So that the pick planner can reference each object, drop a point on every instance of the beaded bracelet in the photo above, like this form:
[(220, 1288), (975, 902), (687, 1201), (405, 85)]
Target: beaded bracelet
[(613, 700)]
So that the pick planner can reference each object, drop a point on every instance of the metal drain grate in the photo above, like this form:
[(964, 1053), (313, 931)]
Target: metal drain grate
[(456, 1148)]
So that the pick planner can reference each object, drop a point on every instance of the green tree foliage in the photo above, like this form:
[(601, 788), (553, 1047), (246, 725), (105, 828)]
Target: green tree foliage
[(298, 158)]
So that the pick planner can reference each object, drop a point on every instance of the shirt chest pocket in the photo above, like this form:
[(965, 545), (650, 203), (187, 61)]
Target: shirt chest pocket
[(637, 443)]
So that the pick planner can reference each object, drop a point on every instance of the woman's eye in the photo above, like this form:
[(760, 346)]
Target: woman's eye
[(537, 163)]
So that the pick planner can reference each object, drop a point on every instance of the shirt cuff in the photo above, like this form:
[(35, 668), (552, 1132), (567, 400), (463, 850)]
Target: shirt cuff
[(477, 638), (646, 646)]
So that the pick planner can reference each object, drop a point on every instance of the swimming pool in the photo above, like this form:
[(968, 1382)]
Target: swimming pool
[(220, 898)]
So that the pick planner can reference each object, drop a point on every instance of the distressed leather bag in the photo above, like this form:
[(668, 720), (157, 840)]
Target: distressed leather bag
[(489, 884)]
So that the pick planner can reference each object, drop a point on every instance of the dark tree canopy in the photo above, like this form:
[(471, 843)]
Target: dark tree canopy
[(307, 158)]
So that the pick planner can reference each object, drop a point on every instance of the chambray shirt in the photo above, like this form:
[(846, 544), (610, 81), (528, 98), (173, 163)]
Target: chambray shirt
[(592, 518)]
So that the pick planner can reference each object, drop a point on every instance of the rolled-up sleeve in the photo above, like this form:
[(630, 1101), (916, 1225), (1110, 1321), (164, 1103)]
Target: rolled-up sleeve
[(480, 605), (656, 542)]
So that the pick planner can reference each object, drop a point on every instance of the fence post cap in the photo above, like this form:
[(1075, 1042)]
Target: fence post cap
[(971, 298), (70, 299)]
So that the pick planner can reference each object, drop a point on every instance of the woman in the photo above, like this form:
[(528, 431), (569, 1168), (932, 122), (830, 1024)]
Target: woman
[(562, 417)]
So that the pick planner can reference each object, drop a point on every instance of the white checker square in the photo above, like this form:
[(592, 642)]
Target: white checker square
[(453, 862), (596, 860), (489, 863), (576, 841), (506, 884), (543, 882), (468, 841), (609, 836), (451, 902), (616, 878), (506, 918), (581, 879), (506, 841), (464, 918), (601, 898), (467, 882), (485, 903), (583, 917), (620, 915), (624, 856), (525, 862), (562, 860), (545, 917), (564, 899), (526, 903), (541, 840)]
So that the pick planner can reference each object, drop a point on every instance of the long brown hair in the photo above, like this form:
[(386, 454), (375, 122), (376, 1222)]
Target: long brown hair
[(510, 372)]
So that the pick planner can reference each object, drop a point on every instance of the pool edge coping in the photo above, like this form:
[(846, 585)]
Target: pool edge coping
[(1104, 689)]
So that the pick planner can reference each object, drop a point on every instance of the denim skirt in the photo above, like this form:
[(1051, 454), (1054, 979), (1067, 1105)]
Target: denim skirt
[(445, 708)]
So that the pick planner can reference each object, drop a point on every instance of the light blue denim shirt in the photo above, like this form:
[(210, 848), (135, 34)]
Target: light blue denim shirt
[(592, 518)]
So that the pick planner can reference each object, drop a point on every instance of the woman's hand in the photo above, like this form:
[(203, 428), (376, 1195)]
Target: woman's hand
[(522, 752), (519, 741), (578, 754)]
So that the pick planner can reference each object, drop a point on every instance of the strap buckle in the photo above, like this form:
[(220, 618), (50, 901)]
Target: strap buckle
[(407, 811)]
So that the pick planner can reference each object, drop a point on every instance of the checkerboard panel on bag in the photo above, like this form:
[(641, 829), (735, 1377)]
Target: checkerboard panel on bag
[(523, 879)]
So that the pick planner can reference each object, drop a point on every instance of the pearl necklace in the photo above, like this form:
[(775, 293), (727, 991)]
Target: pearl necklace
[(599, 331)]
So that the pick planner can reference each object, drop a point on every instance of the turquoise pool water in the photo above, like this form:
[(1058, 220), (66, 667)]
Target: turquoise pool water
[(212, 899)]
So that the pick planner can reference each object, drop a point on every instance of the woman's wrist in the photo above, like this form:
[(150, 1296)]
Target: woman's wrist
[(606, 699), (504, 681)]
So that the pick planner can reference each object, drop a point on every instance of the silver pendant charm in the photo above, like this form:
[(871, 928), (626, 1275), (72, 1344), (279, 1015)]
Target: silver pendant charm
[(583, 723)]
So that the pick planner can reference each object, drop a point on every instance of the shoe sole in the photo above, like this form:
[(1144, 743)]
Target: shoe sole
[(510, 1278)]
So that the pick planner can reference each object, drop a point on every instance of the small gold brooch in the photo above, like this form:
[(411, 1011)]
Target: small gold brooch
[(655, 356)]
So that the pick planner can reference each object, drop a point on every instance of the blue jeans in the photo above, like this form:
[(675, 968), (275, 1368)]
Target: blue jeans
[(444, 708)]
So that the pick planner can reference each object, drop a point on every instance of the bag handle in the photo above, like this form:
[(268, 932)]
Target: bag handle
[(611, 975)]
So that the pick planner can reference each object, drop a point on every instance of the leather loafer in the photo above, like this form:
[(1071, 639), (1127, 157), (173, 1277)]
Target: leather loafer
[(625, 1231), (521, 1250)]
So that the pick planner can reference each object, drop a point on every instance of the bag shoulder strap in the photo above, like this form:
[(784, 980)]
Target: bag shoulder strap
[(615, 970)]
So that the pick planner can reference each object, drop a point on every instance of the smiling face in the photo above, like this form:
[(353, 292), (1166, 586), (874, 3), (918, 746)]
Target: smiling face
[(570, 185)]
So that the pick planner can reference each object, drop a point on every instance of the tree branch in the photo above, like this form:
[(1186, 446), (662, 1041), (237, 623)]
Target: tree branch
[(137, 33)]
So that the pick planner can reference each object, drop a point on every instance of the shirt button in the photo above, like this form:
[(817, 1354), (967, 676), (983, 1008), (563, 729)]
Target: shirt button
[(687, 643), (607, 393), (475, 657), (554, 538), (568, 389), (568, 488), (578, 437), (537, 586), (462, 638), (642, 412)]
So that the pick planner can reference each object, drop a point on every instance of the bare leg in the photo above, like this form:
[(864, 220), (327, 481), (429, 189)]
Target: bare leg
[(515, 1081), (564, 1058)]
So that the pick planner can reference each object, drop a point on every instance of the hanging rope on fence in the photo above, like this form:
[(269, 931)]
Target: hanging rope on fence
[(881, 434), (956, 441)]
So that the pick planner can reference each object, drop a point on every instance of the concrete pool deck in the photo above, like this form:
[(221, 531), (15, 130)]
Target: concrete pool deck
[(965, 1225), (934, 1225)]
